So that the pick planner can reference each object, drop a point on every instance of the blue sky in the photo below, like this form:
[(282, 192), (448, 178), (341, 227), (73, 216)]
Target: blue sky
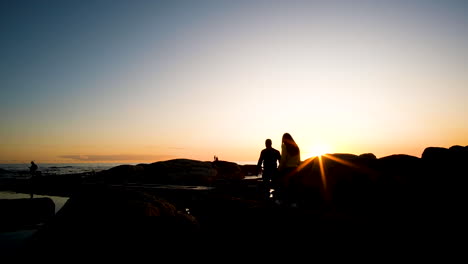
[(166, 79)]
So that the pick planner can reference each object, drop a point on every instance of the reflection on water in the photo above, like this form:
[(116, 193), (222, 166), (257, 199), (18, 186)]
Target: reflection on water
[(253, 177), (12, 243), (58, 200)]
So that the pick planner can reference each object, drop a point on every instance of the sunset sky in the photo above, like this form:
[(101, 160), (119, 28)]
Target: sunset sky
[(143, 81)]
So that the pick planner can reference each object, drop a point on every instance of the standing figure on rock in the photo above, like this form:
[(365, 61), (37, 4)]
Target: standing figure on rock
[(269, 157), (290, 160), (33, 170)]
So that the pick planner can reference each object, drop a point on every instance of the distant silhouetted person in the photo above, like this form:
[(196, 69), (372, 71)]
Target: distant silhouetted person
[(33, 171), (290, 160), (269, 157)]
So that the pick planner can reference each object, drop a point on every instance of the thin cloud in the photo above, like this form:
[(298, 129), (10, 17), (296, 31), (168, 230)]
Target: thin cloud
[(120, 157)]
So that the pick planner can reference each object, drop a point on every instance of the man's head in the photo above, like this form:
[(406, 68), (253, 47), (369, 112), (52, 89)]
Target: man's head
[(268, 143)]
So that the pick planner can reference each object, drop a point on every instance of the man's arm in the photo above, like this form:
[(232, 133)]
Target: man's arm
[(260, 161), (278, 156)]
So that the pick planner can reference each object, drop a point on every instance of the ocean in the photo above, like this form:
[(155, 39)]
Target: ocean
[(22, 169)]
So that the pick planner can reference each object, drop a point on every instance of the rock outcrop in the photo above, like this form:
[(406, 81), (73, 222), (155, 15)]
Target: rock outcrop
[(395, 185), (23, 213), (340, 197), (176, 171), (101, 220)]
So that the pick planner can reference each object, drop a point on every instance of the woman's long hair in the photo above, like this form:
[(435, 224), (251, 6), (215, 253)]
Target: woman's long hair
[(291, 145)]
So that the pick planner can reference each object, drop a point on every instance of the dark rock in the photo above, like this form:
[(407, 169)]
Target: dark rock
[(448, 170), (228, 170), (434, 154), (100, 220), (401, 182), (56, 185), (368, 156), (22, 213), (124, 173), (249, 169), (3, 171), (177, 171)]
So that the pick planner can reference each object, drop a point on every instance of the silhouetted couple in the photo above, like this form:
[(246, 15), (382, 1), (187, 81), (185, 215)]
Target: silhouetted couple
[(278, 176)]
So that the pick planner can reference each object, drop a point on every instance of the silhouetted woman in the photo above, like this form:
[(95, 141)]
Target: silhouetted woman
[(290, 160)]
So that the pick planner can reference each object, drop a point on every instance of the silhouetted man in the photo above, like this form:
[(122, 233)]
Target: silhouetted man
[(270, 158)]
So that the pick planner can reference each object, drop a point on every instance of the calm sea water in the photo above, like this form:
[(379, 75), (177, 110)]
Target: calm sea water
[(22, 169), (59, 201), (19, 169)]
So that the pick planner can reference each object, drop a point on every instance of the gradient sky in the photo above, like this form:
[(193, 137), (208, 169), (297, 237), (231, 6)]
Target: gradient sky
[(142, 81)]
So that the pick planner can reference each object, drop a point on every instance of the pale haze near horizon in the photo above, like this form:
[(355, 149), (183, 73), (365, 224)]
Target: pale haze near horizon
[(142, 81)]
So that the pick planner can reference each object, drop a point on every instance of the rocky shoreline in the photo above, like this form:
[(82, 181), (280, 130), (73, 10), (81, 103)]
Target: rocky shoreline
[(182, 204)]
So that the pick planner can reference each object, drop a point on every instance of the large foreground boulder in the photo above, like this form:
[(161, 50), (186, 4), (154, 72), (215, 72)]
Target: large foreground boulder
[(25, 213), (100, 219), (447, 168)]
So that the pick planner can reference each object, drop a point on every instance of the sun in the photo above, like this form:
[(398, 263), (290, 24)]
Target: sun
[(317, 150)]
